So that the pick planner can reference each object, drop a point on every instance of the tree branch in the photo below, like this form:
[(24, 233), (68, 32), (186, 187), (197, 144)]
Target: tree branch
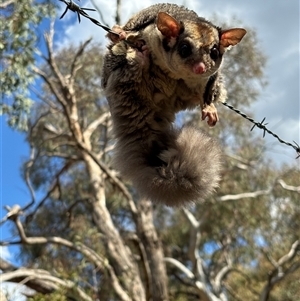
[(100, 13), (242, 163), (288, 187), (144, 259), (220, 277), (234, 197), (51, 85), (195, 237), (93, 126), (53, 186), (118, 12), (74, 67), (203, 293), (34, 278), (67, 99), (51, 60), (7, 3), (28, 166), (180, 267), (291, 254), (278, 273), (231, 197), (86, 251), (113, 178)]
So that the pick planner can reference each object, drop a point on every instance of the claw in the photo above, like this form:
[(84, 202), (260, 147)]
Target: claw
[(210, 112)]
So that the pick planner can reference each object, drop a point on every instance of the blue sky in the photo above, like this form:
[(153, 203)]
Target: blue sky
[(277, 26), (278, 30)]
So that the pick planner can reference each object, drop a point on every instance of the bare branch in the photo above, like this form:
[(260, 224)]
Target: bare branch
[(51, 85), (180, 267), (54, 107), (12, 213), (288, 187), (195, 237), (51, 60), (144, 259), (89, 253), (93, 125), (118, 12), (242, 163), (100, 13), (270, 258), (7, 3), (113, 178), (191, 218), (6, 266), (54, 185), (204, 295), (264, 296), (291, 254), (74, 66), (234, 197), (255, 194), (220, 277), (36, 274), (28, 166), (278, 273), (64, 93)]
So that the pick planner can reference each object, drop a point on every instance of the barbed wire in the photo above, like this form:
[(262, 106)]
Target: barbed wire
[(261, 125), (81, 11)]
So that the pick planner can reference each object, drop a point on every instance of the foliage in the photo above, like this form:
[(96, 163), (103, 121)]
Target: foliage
[(20, 21), (56, 296)]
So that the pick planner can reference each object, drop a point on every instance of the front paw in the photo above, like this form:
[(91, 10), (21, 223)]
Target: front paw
[(143, 55), (210, 112), (139, 55), (117, 34)]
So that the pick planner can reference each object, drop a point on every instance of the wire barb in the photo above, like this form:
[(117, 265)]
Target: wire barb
[(262, 125), (81, 11)]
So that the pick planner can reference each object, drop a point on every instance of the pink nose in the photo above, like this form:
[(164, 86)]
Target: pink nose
[(199, 68)]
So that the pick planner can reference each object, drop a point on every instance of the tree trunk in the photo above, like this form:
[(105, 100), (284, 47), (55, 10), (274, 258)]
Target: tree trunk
[(154, 251), (119, 255)]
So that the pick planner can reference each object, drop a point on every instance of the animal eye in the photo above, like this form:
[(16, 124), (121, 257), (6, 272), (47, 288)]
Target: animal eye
[(214, 53), (185, 50)]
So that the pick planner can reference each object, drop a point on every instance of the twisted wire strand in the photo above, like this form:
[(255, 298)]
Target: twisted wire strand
[(81, 11), (261, 125)]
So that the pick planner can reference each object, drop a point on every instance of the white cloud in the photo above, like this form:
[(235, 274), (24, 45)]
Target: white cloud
[(277, 26)]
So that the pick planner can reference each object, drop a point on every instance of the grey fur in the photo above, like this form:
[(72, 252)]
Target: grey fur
[(148, 16), (168, 165)]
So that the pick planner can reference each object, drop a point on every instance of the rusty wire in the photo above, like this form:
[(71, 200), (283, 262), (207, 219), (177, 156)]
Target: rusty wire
[(261, 125)]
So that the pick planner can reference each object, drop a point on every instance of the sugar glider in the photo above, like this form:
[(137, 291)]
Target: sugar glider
[(166, 59)]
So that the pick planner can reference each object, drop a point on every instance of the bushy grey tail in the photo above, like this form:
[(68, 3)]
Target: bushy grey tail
[(189, 168)]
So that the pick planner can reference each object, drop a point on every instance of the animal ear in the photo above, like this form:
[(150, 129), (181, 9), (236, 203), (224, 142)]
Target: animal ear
[(167, 25), (231, 37)]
